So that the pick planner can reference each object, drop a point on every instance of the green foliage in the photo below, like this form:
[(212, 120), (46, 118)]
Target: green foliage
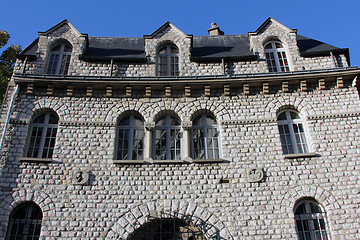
[(7, 61)]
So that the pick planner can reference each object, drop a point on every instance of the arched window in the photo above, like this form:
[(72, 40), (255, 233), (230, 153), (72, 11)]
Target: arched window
[(167, 228), (276, 57), (59, 60), (292, 133), (310, 221), (42, 136), (205, 137), (130, 138), (168, 61), (167, 138), (25, 222)]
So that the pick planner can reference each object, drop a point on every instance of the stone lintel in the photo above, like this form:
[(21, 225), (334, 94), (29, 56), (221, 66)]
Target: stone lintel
[(187, 91), (285, 86), (128, 91), (266, 88), (148, 91), (339, 82), (89, 91), (30, 88), (226, 89), (303, 86), (246, 89), (50, 89), (207, 90), (69, 90), (108, 91), (167, 91), (322, 85)]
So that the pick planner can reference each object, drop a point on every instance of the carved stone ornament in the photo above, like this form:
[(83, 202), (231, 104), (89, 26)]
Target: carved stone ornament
[(149, 126), (186, 125), (80, 177), (255, 175)]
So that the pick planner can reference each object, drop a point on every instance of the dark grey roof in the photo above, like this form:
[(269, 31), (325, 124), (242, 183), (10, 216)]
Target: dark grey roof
[(29, 51), (207, 48), (311, 47), (121, 49)]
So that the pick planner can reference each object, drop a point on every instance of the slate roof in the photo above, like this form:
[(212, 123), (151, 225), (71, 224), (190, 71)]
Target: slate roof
[(205, 48), (120, 49)]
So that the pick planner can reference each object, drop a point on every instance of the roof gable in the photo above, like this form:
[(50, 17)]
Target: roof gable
[(265, 25), (59, 25), (164, 27)]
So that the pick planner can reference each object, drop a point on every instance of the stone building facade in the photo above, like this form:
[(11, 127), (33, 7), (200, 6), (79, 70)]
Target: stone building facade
[(251, 136)]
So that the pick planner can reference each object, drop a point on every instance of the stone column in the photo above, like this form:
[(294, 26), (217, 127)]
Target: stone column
[(148, 127), (186, 126)]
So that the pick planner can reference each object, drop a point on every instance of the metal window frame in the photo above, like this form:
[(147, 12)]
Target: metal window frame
[(168, 56), (59, 68), (133, 129), (290, 124), (44, 126)]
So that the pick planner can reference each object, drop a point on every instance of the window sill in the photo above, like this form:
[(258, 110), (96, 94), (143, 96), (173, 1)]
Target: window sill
[(168, 161), (300, 155), (128, 161), (217, 160), (27, 159)]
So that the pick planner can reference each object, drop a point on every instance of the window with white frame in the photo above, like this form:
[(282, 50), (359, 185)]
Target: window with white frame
[(59, 60), (25, 222), (168, 61), (130, 138), (292, 132), (167, 138), (42, 136), (205, 137), (310, 221), (276, 58)]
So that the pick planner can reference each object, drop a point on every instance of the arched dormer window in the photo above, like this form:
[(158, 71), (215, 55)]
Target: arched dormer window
[(276, 58), (59, 59), (25, 222), (205, 137), (292, 132), (168, 61), (42, 137), (310, 220), (130, 138)]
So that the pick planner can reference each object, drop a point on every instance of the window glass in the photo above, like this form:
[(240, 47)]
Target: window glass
[(42, 136), (292, 133), (130, 138), (310, 221), (59, 60), (168, 61), (276, 57), (167, 138), (25, 222), (205, 138)]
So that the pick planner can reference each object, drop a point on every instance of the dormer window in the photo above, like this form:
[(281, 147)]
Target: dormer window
[(59, 60), (276, 58), (168, 61)]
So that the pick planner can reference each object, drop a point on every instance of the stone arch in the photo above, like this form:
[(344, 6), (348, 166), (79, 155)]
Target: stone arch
[(32, 109), (210, 225), (323, 197), (10, 201), (58, 41), (121, 108), (218, 110), (291, 102)]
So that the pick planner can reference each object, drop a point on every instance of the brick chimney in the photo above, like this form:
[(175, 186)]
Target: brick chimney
[(215, 30)]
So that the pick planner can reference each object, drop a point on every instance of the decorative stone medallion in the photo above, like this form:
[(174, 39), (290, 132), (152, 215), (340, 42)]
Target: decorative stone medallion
[(80, 177), (255, 175)]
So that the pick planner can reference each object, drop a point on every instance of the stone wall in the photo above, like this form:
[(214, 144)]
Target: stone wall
[(119, 197)]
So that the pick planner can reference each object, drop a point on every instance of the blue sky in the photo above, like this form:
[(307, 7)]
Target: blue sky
[(330, 21)]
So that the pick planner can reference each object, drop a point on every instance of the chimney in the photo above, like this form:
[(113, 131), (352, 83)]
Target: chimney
[(215, 30)]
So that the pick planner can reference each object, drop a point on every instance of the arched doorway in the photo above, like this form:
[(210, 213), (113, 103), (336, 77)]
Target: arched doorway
[(167, 229)]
